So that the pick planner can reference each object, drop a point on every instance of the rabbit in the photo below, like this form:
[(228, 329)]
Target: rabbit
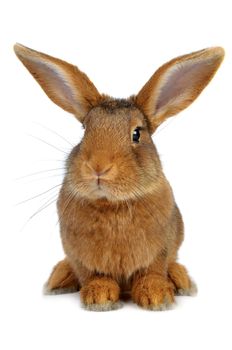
[(119, 223)]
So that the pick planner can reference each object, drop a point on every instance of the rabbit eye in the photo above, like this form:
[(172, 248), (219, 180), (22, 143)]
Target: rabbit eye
[(136, 135)]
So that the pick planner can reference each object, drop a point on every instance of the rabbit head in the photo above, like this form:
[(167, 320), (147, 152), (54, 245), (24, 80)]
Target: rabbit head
[(116, 158)]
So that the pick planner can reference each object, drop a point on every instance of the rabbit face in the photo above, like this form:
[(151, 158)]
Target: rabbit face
[(116, 159)]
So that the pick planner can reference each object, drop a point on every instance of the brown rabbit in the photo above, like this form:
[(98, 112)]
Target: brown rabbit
[(119, 223)]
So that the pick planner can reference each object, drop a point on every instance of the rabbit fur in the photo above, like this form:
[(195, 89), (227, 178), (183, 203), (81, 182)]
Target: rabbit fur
[(120, 226)]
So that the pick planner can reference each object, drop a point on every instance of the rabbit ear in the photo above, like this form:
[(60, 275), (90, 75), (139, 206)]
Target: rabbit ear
[(64, 83), (176, 84)]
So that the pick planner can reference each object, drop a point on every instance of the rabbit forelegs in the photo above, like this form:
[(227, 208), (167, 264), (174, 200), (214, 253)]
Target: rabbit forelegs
[(151, 287), (100, 294)]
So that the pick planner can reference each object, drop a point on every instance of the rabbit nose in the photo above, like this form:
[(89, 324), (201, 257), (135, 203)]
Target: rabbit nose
[(98, 171)]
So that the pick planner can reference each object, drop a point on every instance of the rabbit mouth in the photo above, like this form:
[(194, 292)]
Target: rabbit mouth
[(105, 190), (98, 188)]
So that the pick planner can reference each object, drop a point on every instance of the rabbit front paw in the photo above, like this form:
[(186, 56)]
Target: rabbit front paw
[(153, 292), (101, 294)]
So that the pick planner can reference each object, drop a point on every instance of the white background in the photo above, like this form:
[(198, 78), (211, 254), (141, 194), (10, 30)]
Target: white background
[(118, 44)]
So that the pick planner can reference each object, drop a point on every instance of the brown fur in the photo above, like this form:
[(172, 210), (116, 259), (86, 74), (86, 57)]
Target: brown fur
[(120, 226), (153, 292), (100, 290), (62, 278), (178, 275)]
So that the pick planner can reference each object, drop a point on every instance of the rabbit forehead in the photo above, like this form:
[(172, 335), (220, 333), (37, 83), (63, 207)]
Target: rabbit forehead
[(115, 114)]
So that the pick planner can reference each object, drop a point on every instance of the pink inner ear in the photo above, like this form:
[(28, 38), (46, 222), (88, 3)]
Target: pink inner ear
[(55, 81), (182, 78)]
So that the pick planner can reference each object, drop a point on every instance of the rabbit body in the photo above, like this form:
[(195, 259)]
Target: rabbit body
[(119, 239), (120, 226)]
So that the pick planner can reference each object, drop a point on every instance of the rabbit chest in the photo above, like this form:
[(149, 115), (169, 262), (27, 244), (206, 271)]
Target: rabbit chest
[(112, 240)]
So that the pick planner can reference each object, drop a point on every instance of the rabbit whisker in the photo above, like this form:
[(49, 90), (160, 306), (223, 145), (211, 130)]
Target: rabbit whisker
[(38, 195), (44, 178), (44, 206), (47, 143), (67, 203), (55, 133), (39, 172)]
